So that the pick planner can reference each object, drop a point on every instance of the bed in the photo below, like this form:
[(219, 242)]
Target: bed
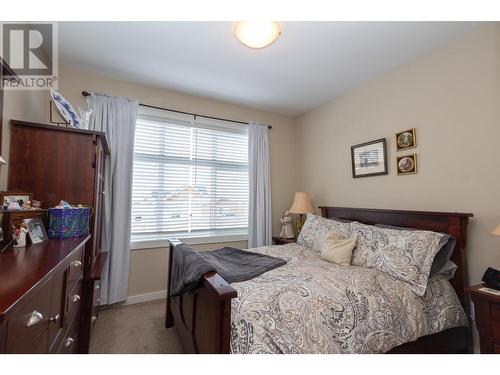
[(311, 306)]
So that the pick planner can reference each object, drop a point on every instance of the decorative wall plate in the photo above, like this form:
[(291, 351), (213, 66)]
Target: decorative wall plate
[(406, 139), (65, 109), (407, 164)]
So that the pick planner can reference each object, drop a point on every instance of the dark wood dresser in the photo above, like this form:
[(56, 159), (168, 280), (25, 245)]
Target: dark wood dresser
[(60, 163), (41, 297)]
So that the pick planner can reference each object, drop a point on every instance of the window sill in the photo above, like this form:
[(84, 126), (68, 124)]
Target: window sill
[(201, 240)]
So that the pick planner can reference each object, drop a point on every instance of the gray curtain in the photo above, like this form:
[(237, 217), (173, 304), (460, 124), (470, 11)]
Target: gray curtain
[(259, 177), (116, 117)]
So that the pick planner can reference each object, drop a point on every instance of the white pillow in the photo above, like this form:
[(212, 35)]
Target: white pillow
[(317, 228), (338, 250)]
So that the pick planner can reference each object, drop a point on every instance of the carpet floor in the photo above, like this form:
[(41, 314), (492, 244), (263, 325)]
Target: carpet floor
[(134, 329)]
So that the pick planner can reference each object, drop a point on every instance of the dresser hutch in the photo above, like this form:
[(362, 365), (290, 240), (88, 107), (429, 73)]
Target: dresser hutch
[(54, 163)]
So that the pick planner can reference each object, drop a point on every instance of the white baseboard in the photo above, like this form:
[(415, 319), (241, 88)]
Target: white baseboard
[(146, 297)]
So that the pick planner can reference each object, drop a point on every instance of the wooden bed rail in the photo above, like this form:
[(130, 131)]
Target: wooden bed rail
[(202, 317)]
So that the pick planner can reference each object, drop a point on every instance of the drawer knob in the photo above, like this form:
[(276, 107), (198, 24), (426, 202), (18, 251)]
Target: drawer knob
[(96, 287), (94, 318), (55, 319), (76, 298), (68, 342), (76, 263), (36, 317)]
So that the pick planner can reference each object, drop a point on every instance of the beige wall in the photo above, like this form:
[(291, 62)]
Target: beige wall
[(148, 266), (452, 97)]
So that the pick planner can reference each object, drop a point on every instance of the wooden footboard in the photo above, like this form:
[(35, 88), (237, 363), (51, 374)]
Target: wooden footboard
[(202, 317)]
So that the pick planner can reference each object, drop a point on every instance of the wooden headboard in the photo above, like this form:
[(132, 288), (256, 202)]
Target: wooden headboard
[(453, 223)]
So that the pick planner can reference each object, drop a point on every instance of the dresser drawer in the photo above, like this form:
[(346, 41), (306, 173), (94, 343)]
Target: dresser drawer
[(69, 344), (28, 327), (73, 302), (75, 269), (497, 349), (56, 325)]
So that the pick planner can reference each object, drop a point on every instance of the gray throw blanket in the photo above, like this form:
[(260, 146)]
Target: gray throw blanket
[(231, 264)]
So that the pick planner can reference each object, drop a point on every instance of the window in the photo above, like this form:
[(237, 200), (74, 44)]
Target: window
[(190, 177)]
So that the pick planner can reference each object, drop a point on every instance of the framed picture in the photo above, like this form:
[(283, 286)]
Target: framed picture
[(12, 219), (7, 197), (406, 139), (369, 159), (407, 164), (36, 230)]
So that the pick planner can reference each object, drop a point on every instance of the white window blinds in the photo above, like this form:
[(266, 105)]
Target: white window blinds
[(190, 177)]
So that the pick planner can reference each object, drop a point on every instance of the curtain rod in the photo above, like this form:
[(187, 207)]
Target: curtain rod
[(86, 93)]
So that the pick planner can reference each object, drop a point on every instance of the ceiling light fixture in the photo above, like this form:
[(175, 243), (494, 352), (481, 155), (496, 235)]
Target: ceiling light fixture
[(257, 34)]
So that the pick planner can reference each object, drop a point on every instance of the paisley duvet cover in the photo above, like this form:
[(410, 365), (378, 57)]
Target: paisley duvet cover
[(312, 306)]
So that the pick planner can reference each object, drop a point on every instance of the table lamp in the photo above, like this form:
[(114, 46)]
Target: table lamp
[(301, 206), (496, 231)]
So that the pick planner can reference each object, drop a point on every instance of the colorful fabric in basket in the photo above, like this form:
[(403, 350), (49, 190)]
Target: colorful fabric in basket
[(69, 222)]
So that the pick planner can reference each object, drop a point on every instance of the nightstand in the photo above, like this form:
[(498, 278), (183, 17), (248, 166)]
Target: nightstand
[(487, 316), (283, 241)]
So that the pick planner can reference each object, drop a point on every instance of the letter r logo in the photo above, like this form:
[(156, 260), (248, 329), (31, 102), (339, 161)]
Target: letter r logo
[(27, 48)]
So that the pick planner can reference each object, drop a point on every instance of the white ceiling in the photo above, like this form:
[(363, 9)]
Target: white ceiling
[(311, 63)]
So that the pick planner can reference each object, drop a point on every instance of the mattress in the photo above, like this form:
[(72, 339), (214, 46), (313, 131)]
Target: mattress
[(310, 305)]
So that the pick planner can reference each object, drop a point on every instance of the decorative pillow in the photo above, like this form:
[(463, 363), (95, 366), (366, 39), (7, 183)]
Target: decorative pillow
[(405, 255), (338, 250), (317, 228), (446, 247)]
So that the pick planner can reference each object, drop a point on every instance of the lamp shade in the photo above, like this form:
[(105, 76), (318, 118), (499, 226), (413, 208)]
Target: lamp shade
[(301, 204), (496, 230)]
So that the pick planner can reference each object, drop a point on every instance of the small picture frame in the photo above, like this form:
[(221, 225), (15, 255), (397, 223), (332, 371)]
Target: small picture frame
[(36, 230), (369, 159), (406, 164), (406, 139), (8, 197)]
